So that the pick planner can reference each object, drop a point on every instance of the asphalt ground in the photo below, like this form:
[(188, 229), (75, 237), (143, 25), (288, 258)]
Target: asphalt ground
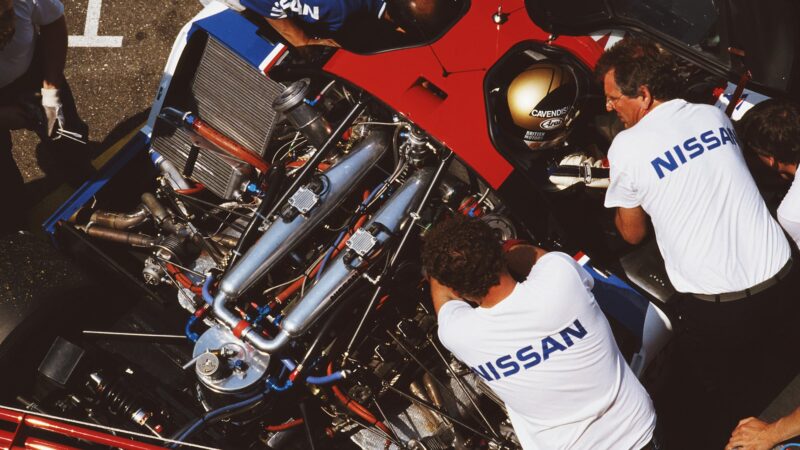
[(113, 87)]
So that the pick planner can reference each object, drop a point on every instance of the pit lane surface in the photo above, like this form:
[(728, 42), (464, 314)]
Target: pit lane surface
[(113, 72)]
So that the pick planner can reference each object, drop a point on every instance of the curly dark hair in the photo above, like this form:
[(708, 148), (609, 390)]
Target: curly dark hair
[(465, 255), (637, 62), (772, 128)]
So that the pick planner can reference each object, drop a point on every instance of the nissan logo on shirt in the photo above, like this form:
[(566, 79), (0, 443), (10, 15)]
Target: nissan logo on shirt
[(530, 356), (691, 148)]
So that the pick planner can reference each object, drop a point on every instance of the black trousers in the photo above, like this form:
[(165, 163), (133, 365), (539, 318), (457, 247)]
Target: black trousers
[(730, 360)]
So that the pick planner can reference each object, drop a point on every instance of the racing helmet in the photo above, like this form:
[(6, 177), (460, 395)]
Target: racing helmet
[(542, 102)]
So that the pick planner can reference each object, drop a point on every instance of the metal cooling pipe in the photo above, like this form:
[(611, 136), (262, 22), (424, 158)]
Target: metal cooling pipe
[(155, 207), (312, 204), (385, 224), (119, 221), (122, 237)]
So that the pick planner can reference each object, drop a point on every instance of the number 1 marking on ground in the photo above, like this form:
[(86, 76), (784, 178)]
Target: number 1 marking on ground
[(90, 37)]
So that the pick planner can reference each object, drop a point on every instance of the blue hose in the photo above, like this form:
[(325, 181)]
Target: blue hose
[(217, 412), (206, 294), (327, 379), (189, 333), (271, 384)]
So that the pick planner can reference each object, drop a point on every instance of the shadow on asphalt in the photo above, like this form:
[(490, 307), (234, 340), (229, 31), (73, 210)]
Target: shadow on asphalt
[(70, 163)]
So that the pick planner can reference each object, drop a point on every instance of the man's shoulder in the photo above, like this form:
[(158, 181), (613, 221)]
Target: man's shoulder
[(556, 268)]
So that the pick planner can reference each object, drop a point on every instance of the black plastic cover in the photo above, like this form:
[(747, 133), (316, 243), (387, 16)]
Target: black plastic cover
[(61, 362)]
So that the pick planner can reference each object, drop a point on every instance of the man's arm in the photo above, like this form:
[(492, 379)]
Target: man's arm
[(440, 294), (54, 45), (632, 224), (521, 257), (295, 35), (753, 434)]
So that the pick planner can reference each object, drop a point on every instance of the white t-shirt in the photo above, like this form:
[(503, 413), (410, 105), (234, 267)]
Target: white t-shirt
[(17, 55), (548, 352), (682, 164), (789, 212)]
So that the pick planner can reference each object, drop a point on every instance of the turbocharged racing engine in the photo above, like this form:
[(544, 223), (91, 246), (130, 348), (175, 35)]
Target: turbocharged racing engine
[(290, 236)]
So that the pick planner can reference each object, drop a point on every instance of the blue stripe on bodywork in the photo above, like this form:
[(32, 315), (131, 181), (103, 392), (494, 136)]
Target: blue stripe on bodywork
[(620, 301), (238, 33), (138, 143)]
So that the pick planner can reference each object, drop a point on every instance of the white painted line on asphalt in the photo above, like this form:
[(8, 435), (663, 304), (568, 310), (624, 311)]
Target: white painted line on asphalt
[(90, 37)]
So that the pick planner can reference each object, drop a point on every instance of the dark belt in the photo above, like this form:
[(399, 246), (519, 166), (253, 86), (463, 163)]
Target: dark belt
[(760, 287)]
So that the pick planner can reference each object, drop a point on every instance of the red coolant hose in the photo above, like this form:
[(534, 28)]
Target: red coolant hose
[(229, 145), (356, 407), (181, 278), (284, 426), (197, 188)]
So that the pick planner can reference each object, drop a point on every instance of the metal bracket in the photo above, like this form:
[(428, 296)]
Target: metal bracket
[(362, 242), (304, 200)]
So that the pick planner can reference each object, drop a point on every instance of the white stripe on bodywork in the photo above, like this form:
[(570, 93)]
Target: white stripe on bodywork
[(276, 52)]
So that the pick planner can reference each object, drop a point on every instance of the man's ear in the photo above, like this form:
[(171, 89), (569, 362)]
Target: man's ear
[(646, 96)]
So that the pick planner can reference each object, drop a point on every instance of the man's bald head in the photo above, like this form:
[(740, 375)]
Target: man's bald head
[(428, 17)]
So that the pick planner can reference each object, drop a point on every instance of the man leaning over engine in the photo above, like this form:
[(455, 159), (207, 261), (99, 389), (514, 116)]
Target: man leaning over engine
[(542, 345), (322, 22), (680, 164)]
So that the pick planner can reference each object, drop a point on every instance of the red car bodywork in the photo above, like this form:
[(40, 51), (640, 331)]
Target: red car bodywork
[(466, 51)]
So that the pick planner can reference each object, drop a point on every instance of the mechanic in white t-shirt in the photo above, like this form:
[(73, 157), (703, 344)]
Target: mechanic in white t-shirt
[(33, 91), (542, 345), (680, 165), (771, 130)]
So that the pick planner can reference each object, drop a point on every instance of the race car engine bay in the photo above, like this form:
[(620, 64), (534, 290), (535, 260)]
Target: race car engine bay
[(283, 227)]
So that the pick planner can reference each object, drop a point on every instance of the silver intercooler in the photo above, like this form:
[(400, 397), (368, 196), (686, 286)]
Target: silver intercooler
[(235, 99)]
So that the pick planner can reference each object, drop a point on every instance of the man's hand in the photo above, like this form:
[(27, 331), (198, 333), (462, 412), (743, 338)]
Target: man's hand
[(295, 35), (752, 434), (53, 109), (440, 294)]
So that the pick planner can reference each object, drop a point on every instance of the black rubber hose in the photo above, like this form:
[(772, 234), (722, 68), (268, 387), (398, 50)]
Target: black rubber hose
[(217, 415), (306, 422)]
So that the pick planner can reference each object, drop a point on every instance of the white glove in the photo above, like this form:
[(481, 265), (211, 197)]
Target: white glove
[(585, 165), (53, 109)]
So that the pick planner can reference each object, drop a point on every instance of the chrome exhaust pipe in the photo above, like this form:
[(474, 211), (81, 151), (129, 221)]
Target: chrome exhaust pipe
[(306, 209)]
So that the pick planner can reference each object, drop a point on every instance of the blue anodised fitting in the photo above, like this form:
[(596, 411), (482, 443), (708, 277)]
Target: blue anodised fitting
[(277, 320), (262, 313), (189, 118), (239, 364), (254, 189)]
